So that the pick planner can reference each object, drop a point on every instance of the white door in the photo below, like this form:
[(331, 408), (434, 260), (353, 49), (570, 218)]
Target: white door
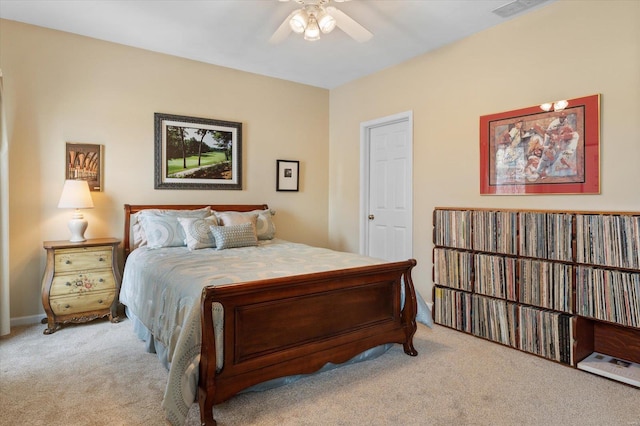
[(386, 192)]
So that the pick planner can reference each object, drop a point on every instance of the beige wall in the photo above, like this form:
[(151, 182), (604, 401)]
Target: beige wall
[(62, 88), (565, 50)]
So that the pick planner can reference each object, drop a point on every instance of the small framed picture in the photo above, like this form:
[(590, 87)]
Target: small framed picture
[(84, 162), (288, 176)]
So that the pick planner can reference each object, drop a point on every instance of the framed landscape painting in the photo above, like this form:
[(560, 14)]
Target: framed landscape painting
[(197, 153), (533, 151)]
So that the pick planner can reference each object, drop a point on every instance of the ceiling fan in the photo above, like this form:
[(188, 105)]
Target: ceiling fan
[(317, 16)]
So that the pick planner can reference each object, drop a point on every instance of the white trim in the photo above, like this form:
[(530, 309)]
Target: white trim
[(30, 320), (5, 306), (365, 129)]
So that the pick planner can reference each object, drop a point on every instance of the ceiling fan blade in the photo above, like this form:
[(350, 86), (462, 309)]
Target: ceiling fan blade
[(283, 30), (349, 26)]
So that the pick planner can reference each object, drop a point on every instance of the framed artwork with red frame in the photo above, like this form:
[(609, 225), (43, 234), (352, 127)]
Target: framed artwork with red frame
[(533, 151)]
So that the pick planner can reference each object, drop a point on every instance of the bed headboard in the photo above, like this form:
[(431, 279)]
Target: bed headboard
[(130, 209)]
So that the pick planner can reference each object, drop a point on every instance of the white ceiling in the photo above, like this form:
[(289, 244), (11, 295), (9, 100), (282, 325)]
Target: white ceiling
[(235, 33)]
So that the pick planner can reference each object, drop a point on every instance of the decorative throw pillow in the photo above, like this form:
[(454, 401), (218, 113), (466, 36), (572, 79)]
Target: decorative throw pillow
[(236, 218), (242, 235), (265, 228), (162, 229), (198, 232)]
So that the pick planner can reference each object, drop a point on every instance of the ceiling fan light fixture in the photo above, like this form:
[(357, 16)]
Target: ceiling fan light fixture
[(312, 33), (299, 21), (319, 16), (326, 22)]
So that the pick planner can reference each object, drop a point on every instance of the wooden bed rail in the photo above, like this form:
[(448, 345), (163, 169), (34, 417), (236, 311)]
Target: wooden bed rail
[(295, 325)]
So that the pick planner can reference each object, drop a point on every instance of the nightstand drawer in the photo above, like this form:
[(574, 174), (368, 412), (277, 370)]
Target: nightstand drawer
[(79, 303), (82, 283), (76, 259)]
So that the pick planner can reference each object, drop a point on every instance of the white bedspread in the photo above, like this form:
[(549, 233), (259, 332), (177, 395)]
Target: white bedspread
[(161, 289)]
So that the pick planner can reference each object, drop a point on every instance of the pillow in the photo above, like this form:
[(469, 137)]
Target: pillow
[(265, 228), (242, 235), (198, 232), (236, 218), (137, 238), (161, 226)]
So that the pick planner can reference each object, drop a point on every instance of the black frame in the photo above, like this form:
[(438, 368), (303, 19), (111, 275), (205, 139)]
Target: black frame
[(287, 175)]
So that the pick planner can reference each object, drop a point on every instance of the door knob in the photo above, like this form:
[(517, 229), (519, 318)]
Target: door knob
[(371, 217)]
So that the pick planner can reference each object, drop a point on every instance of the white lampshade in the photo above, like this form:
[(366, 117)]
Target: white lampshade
[(312, 33), (299, 21), (326, 22), (76, 195)]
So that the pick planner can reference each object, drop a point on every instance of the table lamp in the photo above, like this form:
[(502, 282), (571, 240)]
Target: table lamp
[(76, 195)]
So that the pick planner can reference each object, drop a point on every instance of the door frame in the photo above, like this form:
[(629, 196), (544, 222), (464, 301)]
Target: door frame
[(365, 156)]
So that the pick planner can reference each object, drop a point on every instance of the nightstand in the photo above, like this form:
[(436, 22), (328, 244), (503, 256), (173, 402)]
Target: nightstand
[(81, 281)]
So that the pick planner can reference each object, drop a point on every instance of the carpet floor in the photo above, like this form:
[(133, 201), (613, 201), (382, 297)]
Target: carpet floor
[(98, 373)]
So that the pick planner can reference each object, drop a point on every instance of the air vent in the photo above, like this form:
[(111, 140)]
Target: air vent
[(516, 7)]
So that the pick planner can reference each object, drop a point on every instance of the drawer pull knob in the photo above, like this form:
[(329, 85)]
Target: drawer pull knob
[(68, 262), (67, 306), (101, 259), (100, 301), (68, 283), (101, 280)]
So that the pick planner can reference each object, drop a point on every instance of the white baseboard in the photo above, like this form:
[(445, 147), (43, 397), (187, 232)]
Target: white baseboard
[(30, 320)]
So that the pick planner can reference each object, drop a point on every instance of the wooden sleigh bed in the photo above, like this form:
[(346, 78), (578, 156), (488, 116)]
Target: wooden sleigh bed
[(296, 324)]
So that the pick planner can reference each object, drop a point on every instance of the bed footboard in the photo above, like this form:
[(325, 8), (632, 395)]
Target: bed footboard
[(295, 325)]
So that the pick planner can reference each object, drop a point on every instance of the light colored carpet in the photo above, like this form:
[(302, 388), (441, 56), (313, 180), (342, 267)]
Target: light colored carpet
[(98, 374)]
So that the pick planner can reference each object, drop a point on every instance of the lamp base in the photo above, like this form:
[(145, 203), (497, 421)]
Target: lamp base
[(77, 226)]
